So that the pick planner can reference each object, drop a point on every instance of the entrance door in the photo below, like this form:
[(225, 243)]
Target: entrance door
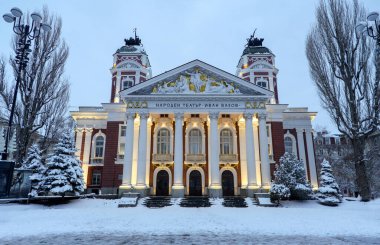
[(228, 183), (162, 183), (195, 183)]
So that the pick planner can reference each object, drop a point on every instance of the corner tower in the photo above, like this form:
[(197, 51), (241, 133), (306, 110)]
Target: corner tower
[(257, 65), (130, 67)]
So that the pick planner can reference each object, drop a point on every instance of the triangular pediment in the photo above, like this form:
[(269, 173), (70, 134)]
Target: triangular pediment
[(196, 78)]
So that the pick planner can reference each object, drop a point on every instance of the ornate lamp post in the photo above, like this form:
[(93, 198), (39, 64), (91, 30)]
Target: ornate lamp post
[(371, 28), (26, 33)]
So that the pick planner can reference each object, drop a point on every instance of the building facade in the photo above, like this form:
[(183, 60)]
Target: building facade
[(193, 130)]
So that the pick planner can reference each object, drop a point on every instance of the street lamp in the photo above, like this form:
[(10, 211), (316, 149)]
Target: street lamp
[(371, 27), (25, 33)]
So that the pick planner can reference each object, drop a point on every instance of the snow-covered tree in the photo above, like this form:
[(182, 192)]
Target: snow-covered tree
[(2, 140), (33, 161), (64, 173), (328, 192), (279, 192), (291, 173)]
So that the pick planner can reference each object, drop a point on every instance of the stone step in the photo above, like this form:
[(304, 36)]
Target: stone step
[(157, 202), (234, 202), (195, 202)]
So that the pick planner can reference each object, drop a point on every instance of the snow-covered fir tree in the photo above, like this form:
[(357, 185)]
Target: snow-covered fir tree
[(279, 192), (2, 139), (64, 173), (291, 173), (328, 192), (33, 161)]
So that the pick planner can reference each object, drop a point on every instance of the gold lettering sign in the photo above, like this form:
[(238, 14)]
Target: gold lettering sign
[(254, 105), (137, 104)]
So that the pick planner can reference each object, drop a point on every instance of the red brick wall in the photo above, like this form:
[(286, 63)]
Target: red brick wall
[(110, 169), (277, 143)]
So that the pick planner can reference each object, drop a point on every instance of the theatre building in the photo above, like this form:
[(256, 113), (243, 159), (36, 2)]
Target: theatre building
[(193, 130)]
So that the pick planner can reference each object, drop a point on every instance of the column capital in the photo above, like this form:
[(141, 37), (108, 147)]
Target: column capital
[(178, 116), (130, 115), (214, 115), (308, 130), (299, 130), (143, 115), (88, 130), (262, 116), (248, 115), (78, 130)]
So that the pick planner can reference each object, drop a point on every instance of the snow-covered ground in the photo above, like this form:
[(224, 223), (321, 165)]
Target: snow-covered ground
[(96, 216)]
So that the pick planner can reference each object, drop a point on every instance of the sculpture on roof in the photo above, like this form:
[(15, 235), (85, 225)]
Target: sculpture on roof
[(133, 41), (254, 41)]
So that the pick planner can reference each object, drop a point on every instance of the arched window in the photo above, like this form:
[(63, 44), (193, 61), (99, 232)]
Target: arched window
[(99, 146), (288, 144), (226, 142), (195, 141), (163, 141), (127, 82)]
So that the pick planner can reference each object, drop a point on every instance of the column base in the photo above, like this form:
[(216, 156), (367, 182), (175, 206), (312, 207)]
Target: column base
[(144, 191), (215, 192), (251, 190), (124, 189), (178, 191)]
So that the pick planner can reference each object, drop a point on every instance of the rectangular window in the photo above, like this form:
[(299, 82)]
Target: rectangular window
[(194, 115), (164, 115), (226, 116), (96, 177), (123, 129)]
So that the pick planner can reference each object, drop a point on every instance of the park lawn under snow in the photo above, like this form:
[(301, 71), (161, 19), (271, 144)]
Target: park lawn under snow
[(102, 216)]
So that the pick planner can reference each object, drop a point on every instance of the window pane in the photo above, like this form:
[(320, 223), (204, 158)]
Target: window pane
[(226, 142), (123, 130), (99, 145), (163, 141)]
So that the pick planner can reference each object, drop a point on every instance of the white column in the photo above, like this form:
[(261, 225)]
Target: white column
[(148, 156), (243, 155), (87, 146), (301, 148), (141, 159), (310, 155), (127, 168), (250, 150), (117, 87), (178, 152), (214, 151), (257, 151), (78, 141), (265, 167)]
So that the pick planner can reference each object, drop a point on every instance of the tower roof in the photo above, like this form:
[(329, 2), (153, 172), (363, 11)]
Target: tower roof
[(255, 46), (132, 45)]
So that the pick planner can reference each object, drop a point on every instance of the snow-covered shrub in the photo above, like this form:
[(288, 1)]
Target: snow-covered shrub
[(291, 173), (64, 173), (328, 192), (279, 192), (33, 162)]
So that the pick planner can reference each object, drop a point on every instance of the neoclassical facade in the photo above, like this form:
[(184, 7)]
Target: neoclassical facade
[(193, 130)]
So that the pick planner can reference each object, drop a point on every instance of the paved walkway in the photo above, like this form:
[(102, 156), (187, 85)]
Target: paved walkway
[(187, 239)]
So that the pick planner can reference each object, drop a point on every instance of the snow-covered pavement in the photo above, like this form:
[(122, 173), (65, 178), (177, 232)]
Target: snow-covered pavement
[(87, 217)]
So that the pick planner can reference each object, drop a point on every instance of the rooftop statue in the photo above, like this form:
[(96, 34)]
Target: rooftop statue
[(254, 41), (133, 41)]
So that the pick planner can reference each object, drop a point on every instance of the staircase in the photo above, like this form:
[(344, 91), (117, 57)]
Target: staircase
[(234, 202), (157, 202), (263, 200), (195, 202)]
